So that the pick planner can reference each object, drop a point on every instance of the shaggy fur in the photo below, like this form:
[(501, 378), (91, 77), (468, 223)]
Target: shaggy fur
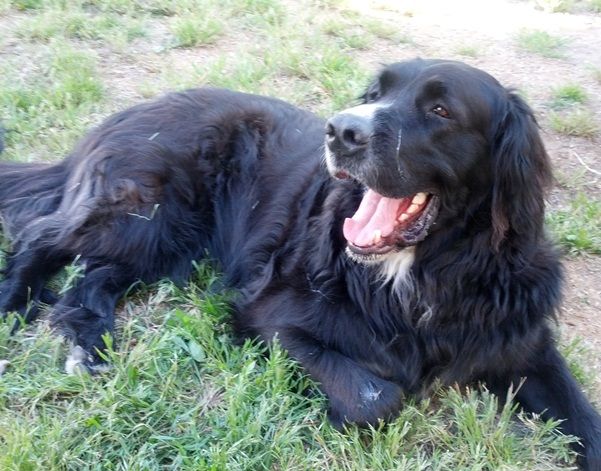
[(464, 295)]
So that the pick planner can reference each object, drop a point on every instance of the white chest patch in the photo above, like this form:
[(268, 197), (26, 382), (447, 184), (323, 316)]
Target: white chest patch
[(392, 268), (396, 267)]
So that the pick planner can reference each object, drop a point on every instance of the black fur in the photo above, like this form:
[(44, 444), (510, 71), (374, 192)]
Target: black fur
[(240, 178)]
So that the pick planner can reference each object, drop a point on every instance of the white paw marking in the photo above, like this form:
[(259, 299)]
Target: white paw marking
[(75, 363)]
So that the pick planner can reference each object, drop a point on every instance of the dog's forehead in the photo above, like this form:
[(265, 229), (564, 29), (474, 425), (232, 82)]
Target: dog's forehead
[(451, 73)]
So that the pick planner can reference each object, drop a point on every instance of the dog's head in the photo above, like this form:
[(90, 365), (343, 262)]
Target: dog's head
[(435, 142)]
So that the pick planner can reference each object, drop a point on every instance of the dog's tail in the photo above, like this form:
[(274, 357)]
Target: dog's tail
[(28, 191)]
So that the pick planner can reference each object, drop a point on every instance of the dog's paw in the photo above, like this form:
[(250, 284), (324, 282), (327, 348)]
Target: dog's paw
[(81, 362), (375, 400)]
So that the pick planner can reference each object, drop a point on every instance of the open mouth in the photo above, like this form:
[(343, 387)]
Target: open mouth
[(382, 224)]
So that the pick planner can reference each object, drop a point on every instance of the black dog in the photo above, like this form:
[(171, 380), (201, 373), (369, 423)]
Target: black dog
[(425, 258)]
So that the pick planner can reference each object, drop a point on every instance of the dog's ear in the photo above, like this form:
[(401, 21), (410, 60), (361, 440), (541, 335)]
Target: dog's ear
[(521, 173)]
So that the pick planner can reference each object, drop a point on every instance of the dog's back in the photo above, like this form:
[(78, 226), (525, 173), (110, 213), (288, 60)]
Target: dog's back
[(155, 160), (150, 190)]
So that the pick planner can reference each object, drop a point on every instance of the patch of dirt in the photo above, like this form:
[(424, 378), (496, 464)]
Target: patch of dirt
[(580, 314)]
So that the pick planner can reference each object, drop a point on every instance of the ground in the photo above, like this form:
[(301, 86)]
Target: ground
[(66, 65)]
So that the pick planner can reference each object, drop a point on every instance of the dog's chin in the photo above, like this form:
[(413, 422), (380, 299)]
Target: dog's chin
[(394, 266), (371, 258)]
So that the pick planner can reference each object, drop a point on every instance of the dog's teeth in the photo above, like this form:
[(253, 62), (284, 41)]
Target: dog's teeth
[(413, 208), (419, 198), (403, 217), (377, 236)]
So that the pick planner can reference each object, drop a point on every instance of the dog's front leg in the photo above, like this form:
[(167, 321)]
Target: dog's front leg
[(85, 314), (356, 395), (550, 390)]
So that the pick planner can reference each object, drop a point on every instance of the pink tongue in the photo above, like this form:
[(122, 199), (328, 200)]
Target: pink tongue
[(375, 213)]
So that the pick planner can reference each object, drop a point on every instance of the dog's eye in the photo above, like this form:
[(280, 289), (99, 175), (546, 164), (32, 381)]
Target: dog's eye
[(441, 111)]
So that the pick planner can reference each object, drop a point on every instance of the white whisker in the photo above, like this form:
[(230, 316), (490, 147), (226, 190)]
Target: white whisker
[(399, 139)]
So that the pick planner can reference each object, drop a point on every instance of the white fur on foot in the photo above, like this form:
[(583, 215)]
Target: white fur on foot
[(79, 361), (75, 363), (3, 366)]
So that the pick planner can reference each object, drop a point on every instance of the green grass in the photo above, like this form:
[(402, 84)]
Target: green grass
[(567, 95), (333, 77), (27, 4), (556, 6), (180, 395), (576, 122), (247, 74), (326, 80), (570, 117), (349, 36), (356, 40), (197, 30), (578, 228), (357, 32), (594, 5), (468, 51), (259, 13), (576, 355), (54, 23), (133, 8), (385, 30), (541, 43), (49, 109)]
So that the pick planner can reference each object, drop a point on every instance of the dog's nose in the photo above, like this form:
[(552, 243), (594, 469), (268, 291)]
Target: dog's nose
[(347, 133)]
